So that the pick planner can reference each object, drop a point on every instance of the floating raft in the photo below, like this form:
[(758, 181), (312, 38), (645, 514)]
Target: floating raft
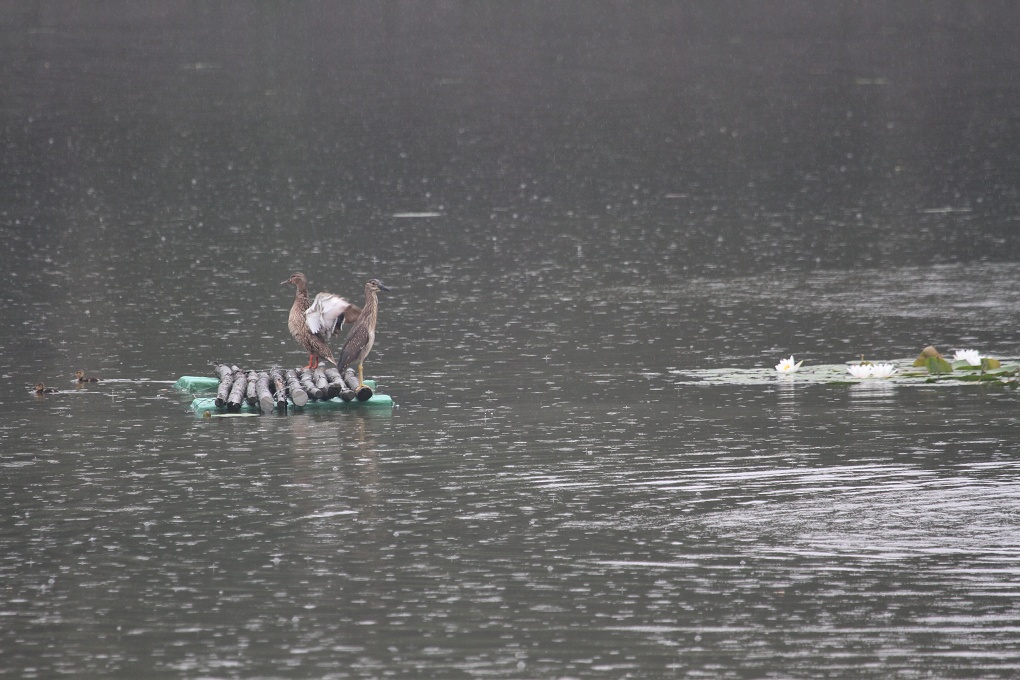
[(253, 392)]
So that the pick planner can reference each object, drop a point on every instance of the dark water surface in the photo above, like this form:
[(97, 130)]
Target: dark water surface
[(574, 204)]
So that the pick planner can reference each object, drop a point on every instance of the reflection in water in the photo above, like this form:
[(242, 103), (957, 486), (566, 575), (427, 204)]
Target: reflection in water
[(872, 392), (614, 523)]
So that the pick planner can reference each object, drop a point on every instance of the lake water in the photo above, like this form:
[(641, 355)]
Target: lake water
[(578, 207)]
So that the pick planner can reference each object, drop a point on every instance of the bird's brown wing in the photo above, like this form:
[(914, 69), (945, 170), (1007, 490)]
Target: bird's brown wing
[(355, 343), (352, 314)]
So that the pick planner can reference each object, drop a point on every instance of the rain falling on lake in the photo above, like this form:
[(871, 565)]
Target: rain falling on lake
[(603, 225)]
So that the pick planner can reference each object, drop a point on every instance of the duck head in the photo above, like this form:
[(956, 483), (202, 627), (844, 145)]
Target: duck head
[(298, 279)]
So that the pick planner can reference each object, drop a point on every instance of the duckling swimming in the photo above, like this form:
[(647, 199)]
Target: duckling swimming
[(42, 389), (82, 378)]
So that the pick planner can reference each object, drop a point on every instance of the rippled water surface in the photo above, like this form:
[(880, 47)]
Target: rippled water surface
[(577, 207)]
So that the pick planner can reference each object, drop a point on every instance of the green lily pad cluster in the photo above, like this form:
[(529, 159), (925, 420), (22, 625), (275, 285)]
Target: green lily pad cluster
[(988, 370), (939, 365), (929, 367)]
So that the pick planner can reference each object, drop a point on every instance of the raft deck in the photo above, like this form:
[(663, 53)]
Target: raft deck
[(202, 385)]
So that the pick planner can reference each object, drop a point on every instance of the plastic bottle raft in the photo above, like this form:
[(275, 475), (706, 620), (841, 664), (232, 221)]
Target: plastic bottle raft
[(276, 389)]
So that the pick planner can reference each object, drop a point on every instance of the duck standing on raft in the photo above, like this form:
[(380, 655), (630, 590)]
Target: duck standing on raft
[(314, 322)]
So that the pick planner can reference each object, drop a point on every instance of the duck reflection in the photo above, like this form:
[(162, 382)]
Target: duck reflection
[(337, 452)]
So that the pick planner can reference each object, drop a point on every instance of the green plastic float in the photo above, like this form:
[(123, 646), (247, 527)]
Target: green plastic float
[(202, 385)]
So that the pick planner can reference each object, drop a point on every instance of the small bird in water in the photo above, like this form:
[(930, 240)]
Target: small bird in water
[(82, 378), (42, 389), (362, 335), (312, 323)]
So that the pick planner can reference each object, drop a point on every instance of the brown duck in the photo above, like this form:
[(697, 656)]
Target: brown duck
[(312, 323), (42, 389), (362, 335), (82, 378)]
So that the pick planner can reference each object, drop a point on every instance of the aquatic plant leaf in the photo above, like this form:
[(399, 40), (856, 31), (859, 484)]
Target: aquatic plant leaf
[(983, 377), (988, 364), (928, 352), (964, 366), (937, 365)]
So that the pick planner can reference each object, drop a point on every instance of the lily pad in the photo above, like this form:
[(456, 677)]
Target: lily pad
[(937, 365), (927, 353), (988, 364)]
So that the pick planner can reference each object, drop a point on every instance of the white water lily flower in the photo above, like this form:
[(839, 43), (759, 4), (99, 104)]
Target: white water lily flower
[(860, 370), (971, 356), (882, 370), (788, 365)]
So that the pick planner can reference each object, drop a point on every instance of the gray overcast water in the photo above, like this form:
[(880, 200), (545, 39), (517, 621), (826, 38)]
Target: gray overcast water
[(578, 207)]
